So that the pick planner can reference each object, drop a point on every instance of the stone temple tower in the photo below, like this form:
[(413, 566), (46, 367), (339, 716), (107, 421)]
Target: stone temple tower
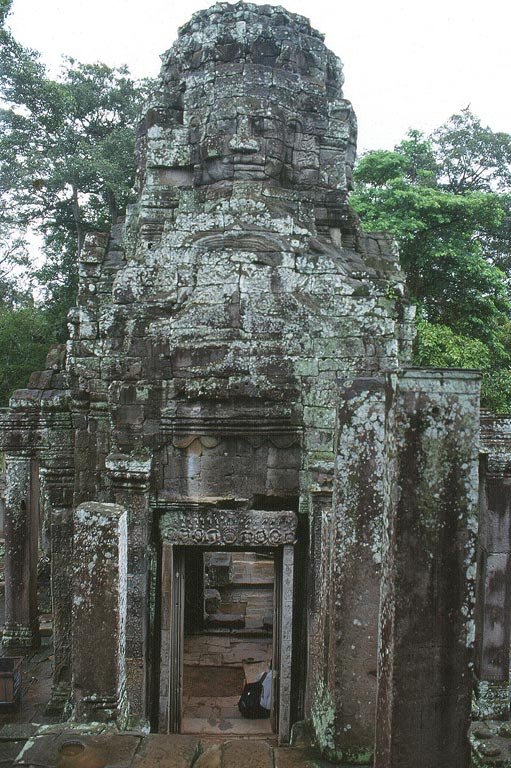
[(223, 390)]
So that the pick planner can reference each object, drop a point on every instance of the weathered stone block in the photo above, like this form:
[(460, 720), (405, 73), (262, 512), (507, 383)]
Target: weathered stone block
[(424, 689), (99, 601)]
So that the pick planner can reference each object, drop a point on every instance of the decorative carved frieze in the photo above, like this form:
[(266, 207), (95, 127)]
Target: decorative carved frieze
[(228, 528), (184, 429), (495, 439)]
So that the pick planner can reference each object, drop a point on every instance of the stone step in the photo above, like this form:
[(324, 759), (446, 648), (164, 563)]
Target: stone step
[(237, 754), (226, 621)]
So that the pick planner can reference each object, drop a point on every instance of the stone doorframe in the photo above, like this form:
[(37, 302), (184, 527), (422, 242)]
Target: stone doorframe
[(211, 529)]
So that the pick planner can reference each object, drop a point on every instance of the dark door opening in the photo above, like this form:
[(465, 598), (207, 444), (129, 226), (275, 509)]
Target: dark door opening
[(228, 638), (226, 618)]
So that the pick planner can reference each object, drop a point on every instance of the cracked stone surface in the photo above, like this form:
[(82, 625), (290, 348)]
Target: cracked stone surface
[(222, 386)]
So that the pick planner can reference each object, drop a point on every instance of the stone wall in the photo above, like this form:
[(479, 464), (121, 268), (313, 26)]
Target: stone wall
[(225, 361), (212, 331)]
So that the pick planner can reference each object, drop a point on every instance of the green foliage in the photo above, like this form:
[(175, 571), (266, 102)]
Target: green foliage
[(438, 346), (66, 168), (66, 156), (25, 337), (446, 199), (5, 9)]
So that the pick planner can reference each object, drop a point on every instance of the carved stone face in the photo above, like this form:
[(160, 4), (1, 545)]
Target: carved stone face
[(260, 99), (256, 140), (236, 145)]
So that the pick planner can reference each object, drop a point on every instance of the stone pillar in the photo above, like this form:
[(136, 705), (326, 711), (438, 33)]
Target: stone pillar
[(356, 568), (61, 532), (493, 607), (21, 630), (99, 613), (57, 485), (130, 481), (426, 627), (318, 584)]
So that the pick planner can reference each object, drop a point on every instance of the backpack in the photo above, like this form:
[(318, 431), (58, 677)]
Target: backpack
[(249, 704)]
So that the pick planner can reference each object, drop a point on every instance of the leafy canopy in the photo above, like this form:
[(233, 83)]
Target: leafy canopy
[(66, 168), (446, 199)]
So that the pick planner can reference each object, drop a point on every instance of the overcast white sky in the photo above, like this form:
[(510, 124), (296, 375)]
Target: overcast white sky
[(407, 63)]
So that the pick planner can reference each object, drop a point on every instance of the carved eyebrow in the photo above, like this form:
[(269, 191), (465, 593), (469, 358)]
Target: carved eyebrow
[(294, 124)]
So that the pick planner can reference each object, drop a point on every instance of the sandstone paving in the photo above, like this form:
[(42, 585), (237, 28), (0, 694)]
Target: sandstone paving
[(226, 726), (290, 757), (9, 750), (73, 749), (237, 754), (255, 755), (211, 757), (159, 749)]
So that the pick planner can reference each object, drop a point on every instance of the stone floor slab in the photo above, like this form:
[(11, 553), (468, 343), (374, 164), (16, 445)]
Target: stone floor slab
[(75, 750), (210, 758), (239, 754), (225, 726), (289, 757), (163, 751), (9, 751), (17, 731), (491, 744)]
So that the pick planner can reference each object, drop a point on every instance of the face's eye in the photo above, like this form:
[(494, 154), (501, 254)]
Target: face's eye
[(293, 128), (221, 126), (258, 125)]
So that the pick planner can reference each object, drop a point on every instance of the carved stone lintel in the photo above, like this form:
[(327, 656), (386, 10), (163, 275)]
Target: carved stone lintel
[(228, 528), (129, 472)]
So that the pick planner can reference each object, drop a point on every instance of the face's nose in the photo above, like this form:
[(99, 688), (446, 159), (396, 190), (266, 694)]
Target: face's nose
[(242, 142)]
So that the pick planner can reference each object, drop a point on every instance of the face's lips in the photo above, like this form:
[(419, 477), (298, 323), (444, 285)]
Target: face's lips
[(248, 166)]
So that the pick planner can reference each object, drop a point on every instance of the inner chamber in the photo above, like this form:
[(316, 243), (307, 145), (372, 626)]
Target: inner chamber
[(228, 638)]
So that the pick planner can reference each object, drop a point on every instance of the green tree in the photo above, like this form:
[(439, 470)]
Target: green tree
[(66, 168), (446, 200), (26, 335), (66, 156)]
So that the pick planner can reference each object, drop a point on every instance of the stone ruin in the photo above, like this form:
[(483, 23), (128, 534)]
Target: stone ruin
[(237, 377)]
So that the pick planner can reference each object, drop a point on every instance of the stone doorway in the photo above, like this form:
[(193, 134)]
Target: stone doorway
[(228, 638)]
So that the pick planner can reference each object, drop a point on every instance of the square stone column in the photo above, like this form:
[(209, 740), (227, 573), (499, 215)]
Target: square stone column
[(99, 613), (61, 528), (21, 630), (493, 607), (356, 567), (426, 627), (130, 481), (57, 484)]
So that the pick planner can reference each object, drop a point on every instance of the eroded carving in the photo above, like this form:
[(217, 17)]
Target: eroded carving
[(225, 528)]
